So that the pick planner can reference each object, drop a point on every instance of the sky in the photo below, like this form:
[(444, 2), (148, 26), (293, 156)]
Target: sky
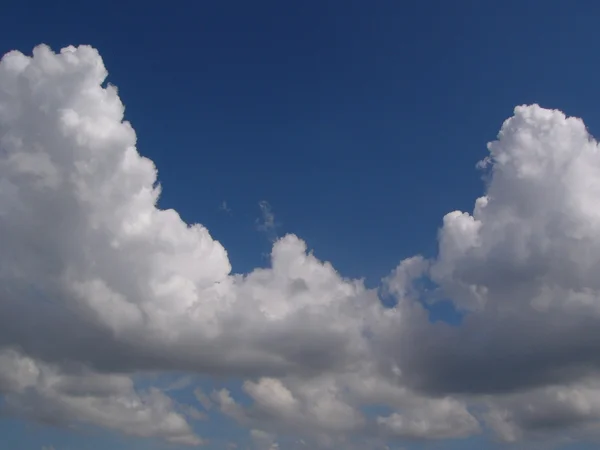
[(284, 225)]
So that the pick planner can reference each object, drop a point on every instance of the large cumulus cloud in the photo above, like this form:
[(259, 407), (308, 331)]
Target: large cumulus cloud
[(94, 274), (523, 266), (86, 248), (97, 283)]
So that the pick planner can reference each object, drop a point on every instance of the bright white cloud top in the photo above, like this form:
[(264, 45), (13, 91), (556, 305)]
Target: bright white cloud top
[(98, 284)]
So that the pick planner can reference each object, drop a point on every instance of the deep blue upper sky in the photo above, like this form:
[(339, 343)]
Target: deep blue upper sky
[(360, 122)]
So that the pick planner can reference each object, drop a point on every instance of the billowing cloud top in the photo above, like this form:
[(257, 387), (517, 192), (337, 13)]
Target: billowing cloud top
[(98, 283)]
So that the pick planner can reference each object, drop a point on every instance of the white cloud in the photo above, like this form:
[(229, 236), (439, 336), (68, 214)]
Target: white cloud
[(95, 276), (438, 419), (574, 409), (524, 266), (263, 440), (316, 404), (327, 410), (43, 392), (92, 254)]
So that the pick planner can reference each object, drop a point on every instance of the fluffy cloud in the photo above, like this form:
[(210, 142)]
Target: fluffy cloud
[(431, 420), (98, 283), (263, 440), (94, 274), (44, 393), (523, 266), (331, 409), (89, 251), (574, 409)]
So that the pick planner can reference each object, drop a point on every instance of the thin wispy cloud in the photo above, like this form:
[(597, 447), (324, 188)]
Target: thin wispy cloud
[(266, 222), (224, 207), (179, 384)]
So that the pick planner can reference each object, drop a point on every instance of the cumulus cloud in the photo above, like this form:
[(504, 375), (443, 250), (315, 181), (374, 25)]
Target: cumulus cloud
[(43, 392), (135, 286), (572, 408), (98, 283), (93, 273), (523, 266), (329, 409), (263, 440), (441, 419)]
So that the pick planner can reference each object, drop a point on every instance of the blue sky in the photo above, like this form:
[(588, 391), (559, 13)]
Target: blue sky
[(360, 123), (385, 107)]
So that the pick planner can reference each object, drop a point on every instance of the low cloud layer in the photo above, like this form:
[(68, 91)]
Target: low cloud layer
[(98, 284), (49, 395)]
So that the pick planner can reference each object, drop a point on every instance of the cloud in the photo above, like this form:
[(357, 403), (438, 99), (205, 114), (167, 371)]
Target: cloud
[(94, 274), (266, 223), (99, 284), (574, 409), (442, 419), (43, 392), (119, 283), (523, 266), (180, 383), (225, 207), (203, 399), (263, 440), (328, 410)]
